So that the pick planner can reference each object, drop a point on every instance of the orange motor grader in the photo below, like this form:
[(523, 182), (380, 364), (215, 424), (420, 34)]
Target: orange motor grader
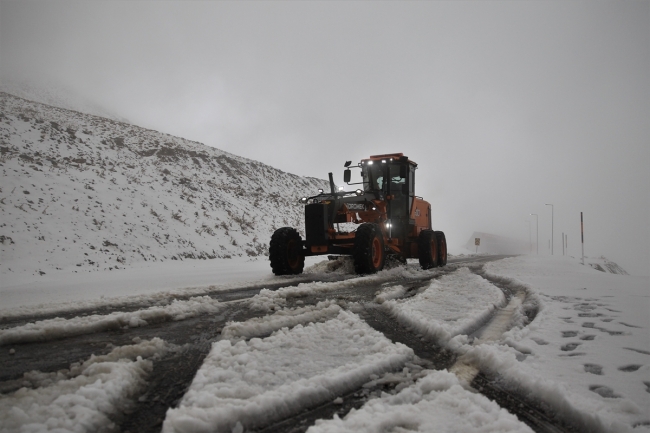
[(382, 218)]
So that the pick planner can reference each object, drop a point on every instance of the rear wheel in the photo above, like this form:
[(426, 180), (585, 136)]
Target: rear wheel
[(442, 248), (428, 249), (285, 252), (368, 254)]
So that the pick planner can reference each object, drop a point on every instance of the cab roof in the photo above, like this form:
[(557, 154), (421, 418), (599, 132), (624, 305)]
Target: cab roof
[(390, 156)]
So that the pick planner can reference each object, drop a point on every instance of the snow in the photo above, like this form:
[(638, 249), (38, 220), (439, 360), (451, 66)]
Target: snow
[(251, 383), (84, 194), (436, 403), (262, 326), (587, 353), (95, 212), (60, 328), (268, 300), (451, 305), (148, 283), (84, 398)]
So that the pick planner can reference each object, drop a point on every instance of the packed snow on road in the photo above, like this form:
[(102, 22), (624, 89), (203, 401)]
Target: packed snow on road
[(549, 331)]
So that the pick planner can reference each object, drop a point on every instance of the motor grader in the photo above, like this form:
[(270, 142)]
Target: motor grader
[(381, 219)]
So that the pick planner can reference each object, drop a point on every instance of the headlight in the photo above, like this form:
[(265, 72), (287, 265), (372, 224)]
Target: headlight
[(303, 200), (320, 190), (359, 192), (340, 188)]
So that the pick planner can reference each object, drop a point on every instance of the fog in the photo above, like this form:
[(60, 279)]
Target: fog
[(505, 106)]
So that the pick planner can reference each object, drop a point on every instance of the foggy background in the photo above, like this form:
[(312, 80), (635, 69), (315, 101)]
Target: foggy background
[(506, 106)]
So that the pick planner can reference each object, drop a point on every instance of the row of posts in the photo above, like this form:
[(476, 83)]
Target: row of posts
[(565, 237)]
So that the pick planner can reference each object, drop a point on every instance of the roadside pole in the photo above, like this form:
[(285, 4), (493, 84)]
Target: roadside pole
[(552, 219), (582, 237), (477, 242), (537, 228)]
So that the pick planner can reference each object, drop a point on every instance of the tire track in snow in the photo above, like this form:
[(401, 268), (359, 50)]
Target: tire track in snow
[(126, 305), (174, 372), (537, 415)]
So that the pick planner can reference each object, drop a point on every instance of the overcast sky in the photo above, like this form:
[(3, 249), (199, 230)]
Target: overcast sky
[(506, 105)]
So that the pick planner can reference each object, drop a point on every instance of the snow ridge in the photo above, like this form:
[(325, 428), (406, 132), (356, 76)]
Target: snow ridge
[(84, 193)]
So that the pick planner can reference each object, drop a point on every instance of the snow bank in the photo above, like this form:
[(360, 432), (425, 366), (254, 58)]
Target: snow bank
[(99, 388), (342, 265), (252, 383), (268, 300), (147, 283), (451, 305), (436, 403), (388, 293), (287, 318), (587, 352), (61, 328)]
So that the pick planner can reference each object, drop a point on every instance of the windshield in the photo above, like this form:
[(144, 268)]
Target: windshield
[(373, 177)]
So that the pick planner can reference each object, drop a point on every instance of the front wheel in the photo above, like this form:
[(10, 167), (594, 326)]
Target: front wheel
[(428, 249), (369, 255), (285, 252)]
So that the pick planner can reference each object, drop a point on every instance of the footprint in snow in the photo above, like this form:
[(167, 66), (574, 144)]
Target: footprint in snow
[(647, 386), (604, 391), (589, 314), (630, 326), (566, 334), (587, 337), (594, 369), (630, 368), (569, 347), (645, 352), (539, 341)]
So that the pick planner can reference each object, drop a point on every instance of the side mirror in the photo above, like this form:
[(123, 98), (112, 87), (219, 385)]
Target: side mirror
[(347, 174)]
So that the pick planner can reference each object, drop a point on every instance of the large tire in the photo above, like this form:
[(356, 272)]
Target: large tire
[(368, 254), (285, 252), (428, 249), (442, 248)]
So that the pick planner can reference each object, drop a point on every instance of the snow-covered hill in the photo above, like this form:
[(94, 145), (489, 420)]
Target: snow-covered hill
[(85, 193), (56, 95)]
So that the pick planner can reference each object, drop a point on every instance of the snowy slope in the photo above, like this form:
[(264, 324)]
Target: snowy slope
[(56, 95), (84, 193)]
